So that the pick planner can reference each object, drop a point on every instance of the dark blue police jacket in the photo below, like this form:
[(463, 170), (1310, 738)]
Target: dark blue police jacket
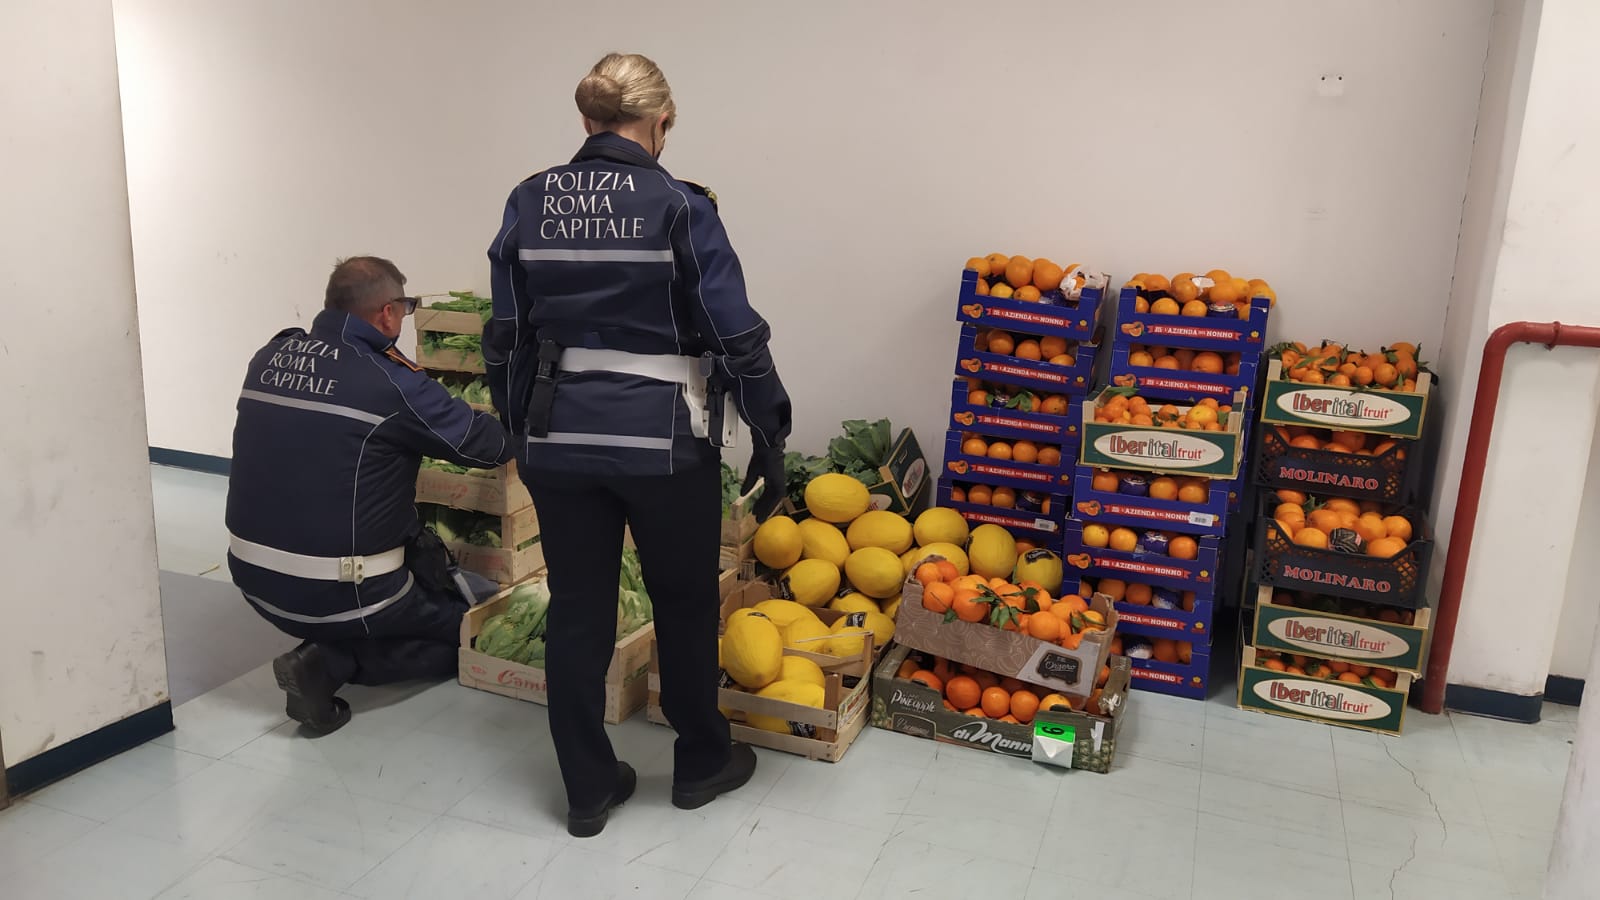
[(612, 252), (332, 428)]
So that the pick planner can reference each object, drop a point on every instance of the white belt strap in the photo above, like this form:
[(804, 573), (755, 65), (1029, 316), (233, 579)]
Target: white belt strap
[(674, 369), (352, 569)]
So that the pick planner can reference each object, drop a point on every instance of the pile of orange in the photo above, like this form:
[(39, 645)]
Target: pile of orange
[(1057, 351), (1130, 592), (1120, 406), (1021, 278), (1394, 368), (1024, 607), (1182, 359), (1326, 669), (1331, 523), (1022, 451), (980, 393), (976, 692), (1334, 441), (998, 496), (1126, 540), (1163, 650), (1188, 294), (1172, 488), (1344, 607)]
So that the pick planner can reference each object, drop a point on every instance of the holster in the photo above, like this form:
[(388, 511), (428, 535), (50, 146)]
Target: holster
[(722, 419), (542, 396)]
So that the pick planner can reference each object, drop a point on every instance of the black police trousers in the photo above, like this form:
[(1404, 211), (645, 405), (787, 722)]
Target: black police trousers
[(417, 636), (676, 525)]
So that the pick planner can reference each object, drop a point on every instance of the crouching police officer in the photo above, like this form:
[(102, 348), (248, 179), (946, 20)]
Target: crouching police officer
[(623, 351), (324, 538)]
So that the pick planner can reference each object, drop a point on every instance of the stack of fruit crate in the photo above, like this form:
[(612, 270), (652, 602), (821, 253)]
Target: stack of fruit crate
[(484, 515), (1027, 354), (1342, 547), (1159, 480)]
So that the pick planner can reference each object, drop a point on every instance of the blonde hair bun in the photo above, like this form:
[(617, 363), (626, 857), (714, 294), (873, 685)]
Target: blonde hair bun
[(625, 87), (599, 98)]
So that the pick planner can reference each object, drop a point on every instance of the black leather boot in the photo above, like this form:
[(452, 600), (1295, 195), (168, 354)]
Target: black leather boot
[(590, 822), (303, 675)]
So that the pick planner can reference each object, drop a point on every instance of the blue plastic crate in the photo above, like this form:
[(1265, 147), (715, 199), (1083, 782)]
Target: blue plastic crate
[(1179, 386), (1073, 380), (1043, 529), (1023, 476), (1114, 508), (1157, 570), (1228, 335), (1192, 681), (1002, 422), (1057, 316)]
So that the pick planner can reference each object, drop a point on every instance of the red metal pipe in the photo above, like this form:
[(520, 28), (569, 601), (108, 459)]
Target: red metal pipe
[(1552, 335)]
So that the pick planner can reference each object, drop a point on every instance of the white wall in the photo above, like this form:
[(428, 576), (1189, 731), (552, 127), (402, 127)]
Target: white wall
[(861, 153), (81, 642), (1528, 527), (1580, 614)]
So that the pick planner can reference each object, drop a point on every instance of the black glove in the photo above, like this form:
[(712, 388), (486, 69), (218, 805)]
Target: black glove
[(767, 463)]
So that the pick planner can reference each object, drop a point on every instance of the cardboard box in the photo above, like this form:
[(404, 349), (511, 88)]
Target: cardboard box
[(1073, 319), (1154, 569), (1398, 414), (911, 708), (1176, 679), (1330, 635), (1016, 423), (1147, 513), (903, 489), (625, 679), (958, 464), (1042, 528), (1180, 386), (1231, 335), (1032, 374), (496, 491), (1175, 451), (818, 734), (1356, 706), (1006, 653)]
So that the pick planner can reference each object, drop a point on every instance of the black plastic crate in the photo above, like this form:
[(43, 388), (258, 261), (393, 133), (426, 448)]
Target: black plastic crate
[(1400, 580)]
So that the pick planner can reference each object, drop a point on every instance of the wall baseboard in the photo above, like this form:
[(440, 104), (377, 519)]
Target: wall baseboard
[(96, 746), (183, 459), (1493, 704), (1563, 690)]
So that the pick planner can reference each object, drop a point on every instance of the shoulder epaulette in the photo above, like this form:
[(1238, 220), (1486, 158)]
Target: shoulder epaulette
[(703, 191), (293, 329), (395, 355)]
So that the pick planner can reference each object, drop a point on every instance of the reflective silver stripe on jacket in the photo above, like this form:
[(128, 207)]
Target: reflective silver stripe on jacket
[(580, 438), (349, 615), (348, 412), (622, 256)]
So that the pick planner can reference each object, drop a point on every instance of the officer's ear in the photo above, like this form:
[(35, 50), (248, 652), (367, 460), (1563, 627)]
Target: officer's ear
[(588, 125)]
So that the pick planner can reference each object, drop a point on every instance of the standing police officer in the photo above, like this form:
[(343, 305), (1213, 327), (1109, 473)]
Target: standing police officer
[(622, 353), (324, 538)]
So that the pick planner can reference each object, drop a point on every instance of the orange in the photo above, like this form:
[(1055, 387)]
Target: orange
[(927, 574), (1289, 512), (1157, 282), (1385, 375), (1009, 719), (1362, 376), (1194, 309), (1219, 275), (907, 668), (997, 264), (936, 597), (1001, 343), (1226, 292), (1002, 291), (1386, 547), (968, 606), (1349, 678), (1183, 547), (1051, 347), (1019, 271), (1141, 359), (979, 264), (975, 446), (980, 494), (1370, 527), (928, 679), (1355, 440), (996, 702), (1046, 274), (1024, 704), (1029, 350), (947, 571), (1025, 452), (1185, 357), (998, 450), (1184, 289), (963, 691), (981, 288), (1138, 594), (1053, 405), (1290, 528), (1275, 665), (1166, 306), (1164, 650), (978, 398), (1193, 492), (1324, 519), (958, 494), (1311, 537), (1398, 527), (1124, 540), (1115, 588), (1046, 628), (1049, 456), (1201, 416), (1342, 503), (1141, 305), (1207, 362), (1164, 488), (1027, 293), (1168, 362), (975, 712), (1285, 495), (1096, 535), (1003, 497), (1054, 701)]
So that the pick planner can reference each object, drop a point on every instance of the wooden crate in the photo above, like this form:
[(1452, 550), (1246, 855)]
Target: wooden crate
[(1358, 706), (821, 734), (448, 322), (497, 491), (506, 564), (625, 679)]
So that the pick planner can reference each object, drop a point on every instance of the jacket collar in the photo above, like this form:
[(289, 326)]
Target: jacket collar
[(615, 147), (334, 326)]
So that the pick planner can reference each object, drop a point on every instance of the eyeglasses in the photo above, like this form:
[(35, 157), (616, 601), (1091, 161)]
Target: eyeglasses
[(410, 304)]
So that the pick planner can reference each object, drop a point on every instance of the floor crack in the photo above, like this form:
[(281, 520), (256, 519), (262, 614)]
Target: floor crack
[(1425, 792), (1401, 868)]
